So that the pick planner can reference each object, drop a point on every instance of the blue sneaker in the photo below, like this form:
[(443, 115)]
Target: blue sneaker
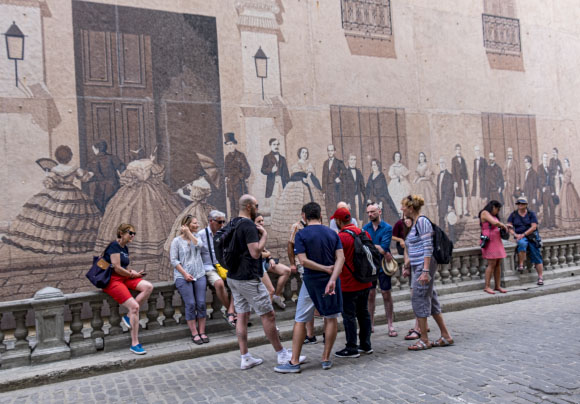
[(326, 365), (138, 349), (126, 321), (287, 368)]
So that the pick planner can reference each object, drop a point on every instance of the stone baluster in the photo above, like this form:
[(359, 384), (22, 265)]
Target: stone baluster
[(576, 253), (437, 275), (97, 334), (20, 331), (168, 309), (182, 319), (2, 346), (152, 313), (464, 268), (76, 324), (445, 274), (114, 318), (20, 355), (554, 257), (396, 280), (216, 306), (455, 272), (287, 293), (570, 254), (482, 266), (474, 267), (49, 304), (546, 257), (562, 256)]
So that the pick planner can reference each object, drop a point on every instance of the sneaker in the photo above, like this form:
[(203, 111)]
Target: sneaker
[(310, 340), (126, 321), (347, 353), (279, 302), (285, 357), (250, 362), (368, 352), (326, 365), (287, 368), (138, 349)]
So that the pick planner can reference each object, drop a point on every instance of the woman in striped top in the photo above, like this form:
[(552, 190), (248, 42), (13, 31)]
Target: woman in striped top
[(419, 261)]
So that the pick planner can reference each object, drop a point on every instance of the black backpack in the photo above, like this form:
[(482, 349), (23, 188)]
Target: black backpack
[(367, 259), (224, 245), (442, 246)]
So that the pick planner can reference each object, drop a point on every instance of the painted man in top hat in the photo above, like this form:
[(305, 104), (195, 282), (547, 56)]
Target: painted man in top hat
[(333, 172), (460, 182), (236, 171), (275, 168)]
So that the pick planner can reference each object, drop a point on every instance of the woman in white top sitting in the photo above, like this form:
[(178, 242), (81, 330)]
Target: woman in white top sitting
[(189, 276)]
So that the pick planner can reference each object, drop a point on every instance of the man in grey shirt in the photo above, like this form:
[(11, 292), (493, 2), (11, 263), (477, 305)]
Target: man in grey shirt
[(216, 220)]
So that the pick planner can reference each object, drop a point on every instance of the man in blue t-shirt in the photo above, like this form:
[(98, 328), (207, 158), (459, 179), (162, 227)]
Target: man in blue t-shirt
[(381, 233), (523, 225), (319, 251)]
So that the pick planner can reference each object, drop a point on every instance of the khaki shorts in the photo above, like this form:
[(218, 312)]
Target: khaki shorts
[(249, 295), (212, 277)]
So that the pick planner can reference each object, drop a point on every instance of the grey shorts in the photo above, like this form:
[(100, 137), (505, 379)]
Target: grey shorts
[(424, 298), (249, 295)]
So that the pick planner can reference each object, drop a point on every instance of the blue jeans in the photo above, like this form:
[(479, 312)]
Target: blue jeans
[(525, 245), (193, 296)]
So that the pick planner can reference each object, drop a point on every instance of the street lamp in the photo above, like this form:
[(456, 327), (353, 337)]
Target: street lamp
[(261, 66), (15, 46)]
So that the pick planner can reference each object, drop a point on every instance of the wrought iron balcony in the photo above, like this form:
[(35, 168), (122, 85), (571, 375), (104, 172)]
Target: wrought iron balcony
[(501, 35), (367, 18)]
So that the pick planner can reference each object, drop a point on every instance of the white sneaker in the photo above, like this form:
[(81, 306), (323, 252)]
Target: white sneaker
[(250, 362), (286, 356), (278, 300)]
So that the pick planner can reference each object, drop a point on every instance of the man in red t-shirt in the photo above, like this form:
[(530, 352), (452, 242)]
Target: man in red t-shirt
[(355, 295)]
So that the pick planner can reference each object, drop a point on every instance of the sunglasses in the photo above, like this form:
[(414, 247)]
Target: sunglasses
[(132, 233), (220, 221)]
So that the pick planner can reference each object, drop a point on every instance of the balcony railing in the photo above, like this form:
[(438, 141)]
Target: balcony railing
[(501, 35), (367, 18)]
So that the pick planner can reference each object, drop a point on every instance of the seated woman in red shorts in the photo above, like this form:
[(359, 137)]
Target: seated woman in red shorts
[(124, 279)]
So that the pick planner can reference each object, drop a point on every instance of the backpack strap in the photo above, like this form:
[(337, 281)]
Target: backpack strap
[(209, 246), (353, 236)]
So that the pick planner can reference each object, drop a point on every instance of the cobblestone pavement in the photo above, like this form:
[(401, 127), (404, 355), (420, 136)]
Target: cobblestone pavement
[(520, 352)]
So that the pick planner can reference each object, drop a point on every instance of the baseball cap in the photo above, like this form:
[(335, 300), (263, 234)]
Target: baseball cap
[(341, 214), (522, 200)]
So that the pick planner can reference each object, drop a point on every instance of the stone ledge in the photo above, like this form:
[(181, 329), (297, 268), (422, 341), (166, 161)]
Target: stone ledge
[(180, 349)]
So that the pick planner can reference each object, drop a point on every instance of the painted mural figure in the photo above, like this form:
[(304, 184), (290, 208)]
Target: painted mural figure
[(568, 211), (333, 171), (377, 191), (494, 182), (145, 201), (445, 198), (61, 219), (546, 192), (399, 186), (106, 168), (424, 186), (303, 187), (511, 176), (354, 189), (556, 171), (275, 169), (460, 182), (478, 192), (530, 186), (236, 171)]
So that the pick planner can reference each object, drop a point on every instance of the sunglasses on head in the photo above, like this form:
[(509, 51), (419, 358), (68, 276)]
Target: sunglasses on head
[(131, 233)]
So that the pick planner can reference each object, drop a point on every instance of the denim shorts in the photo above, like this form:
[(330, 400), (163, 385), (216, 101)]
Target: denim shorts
[(525, 245)]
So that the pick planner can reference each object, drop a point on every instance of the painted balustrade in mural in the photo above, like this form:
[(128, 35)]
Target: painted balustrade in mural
[(89, 322)]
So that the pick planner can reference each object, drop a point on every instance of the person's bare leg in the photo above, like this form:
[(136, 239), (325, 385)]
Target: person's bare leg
[(488, 271), (144, 288), (242, 332), (201, 325), (540, 270), (442, 327), (133, 313), (330, 331), (192, 327), (298, 336), (522, 258), (269, 325), (497, 277), (309, 328), (372, 306), (222, 294), (423, 328), (389, 307), (283, 273)]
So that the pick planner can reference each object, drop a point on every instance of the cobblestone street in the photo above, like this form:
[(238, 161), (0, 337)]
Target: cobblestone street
[(520, 352)]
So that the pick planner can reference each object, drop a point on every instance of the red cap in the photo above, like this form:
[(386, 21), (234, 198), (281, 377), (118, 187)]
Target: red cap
[(341, 214)]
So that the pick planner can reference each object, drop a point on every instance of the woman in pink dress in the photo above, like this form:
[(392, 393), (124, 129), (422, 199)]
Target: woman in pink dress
[(492, 250)]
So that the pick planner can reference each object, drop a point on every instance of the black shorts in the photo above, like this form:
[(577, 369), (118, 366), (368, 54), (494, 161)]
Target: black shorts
[(384, 281)]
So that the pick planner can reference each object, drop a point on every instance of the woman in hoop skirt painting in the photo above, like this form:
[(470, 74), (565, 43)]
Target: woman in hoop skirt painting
[(145, 201), (61, 219), (423, 185), (303, 187), (377, 191), (567, 212), (399, 186)]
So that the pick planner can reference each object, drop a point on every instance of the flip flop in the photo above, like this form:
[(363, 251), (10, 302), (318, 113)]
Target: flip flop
[(413, 334), (230, 318), (540, 281), (393, 333), (419, 346), (204, 338), (441, 342), (197, 341)]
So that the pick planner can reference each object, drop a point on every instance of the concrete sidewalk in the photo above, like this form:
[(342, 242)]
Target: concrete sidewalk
[(179, 349)]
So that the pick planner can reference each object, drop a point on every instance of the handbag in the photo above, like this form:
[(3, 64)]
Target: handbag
[(504, 234), (100, 272)]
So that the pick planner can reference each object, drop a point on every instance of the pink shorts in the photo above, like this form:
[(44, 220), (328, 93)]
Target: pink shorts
[(118, 287)]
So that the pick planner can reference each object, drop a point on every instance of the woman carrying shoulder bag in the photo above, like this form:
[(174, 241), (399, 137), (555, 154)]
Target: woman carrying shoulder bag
[(492, 248), (124, 279)]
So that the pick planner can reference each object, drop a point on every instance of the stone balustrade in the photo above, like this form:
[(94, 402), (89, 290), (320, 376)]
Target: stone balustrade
[(52, 326)]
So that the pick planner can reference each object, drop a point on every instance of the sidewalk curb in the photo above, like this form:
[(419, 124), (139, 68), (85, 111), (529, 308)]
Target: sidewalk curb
[(117, 361)]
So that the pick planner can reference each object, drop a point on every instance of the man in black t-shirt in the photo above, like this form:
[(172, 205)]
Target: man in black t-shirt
[(247, 288)]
